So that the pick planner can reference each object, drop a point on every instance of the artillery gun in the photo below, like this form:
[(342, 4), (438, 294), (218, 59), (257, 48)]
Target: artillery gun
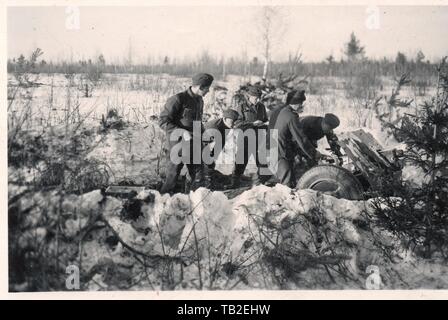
[(364, 167)]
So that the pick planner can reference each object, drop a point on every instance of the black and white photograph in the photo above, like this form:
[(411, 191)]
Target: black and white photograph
[(242, 147)]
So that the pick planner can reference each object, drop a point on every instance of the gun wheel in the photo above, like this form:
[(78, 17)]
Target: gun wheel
[(332, 180)]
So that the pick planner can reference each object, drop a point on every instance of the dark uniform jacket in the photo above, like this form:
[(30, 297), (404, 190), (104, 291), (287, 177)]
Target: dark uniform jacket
[(180, 111), (248, 112), (274, 115), (312, 127), (219, 125), (291, 136)]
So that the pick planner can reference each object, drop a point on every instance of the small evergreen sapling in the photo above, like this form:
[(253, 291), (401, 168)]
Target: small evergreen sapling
[(419, 215)]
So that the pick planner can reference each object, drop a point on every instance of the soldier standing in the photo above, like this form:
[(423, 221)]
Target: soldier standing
[(300, 98), (291, 139), (180, 112), (252, 115)]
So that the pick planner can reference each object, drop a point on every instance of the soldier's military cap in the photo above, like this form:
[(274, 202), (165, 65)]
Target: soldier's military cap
[(254, 91), (202, 79), (331, 120), (295, 97), (231, 114)]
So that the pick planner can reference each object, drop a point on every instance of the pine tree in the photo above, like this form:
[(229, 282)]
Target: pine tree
[(420, 57), (401, 62), (419, 215), (353, 49)]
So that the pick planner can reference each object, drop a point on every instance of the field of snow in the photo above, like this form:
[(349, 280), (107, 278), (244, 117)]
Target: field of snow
[(137, 98), (265, 238)]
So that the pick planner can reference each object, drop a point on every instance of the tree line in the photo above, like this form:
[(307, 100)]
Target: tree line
[(354, 59)]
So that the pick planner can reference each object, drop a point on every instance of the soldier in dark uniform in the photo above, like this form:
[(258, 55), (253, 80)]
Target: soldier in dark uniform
[(252, 115), (291, 139), (251, 111), (225, 123), (180, 112), (300, 98), (315, 128)]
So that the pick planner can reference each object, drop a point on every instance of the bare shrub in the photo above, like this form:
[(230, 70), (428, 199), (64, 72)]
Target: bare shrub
[(363, 83)]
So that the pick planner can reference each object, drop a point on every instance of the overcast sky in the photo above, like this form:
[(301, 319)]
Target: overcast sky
[(223, 31)]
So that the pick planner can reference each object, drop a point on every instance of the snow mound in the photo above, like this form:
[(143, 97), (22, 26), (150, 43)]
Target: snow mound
[(265, 238)]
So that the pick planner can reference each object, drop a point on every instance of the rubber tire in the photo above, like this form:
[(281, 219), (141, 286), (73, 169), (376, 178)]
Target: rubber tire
[(321, 176)]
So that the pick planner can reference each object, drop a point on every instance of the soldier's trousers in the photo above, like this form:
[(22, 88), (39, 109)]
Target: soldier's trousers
[(285, 172), (245, 154), (173, 170)]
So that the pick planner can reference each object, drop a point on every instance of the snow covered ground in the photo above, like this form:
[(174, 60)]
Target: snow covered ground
[(266, 238)]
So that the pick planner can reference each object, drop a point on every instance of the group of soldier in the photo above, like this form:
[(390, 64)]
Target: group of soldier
[(296, 136)]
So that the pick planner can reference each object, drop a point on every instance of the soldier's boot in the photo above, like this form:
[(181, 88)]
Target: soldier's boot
[(188, 185), (208, 177), (197, 180), (262, 179), (262, 175), (235, 180)]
